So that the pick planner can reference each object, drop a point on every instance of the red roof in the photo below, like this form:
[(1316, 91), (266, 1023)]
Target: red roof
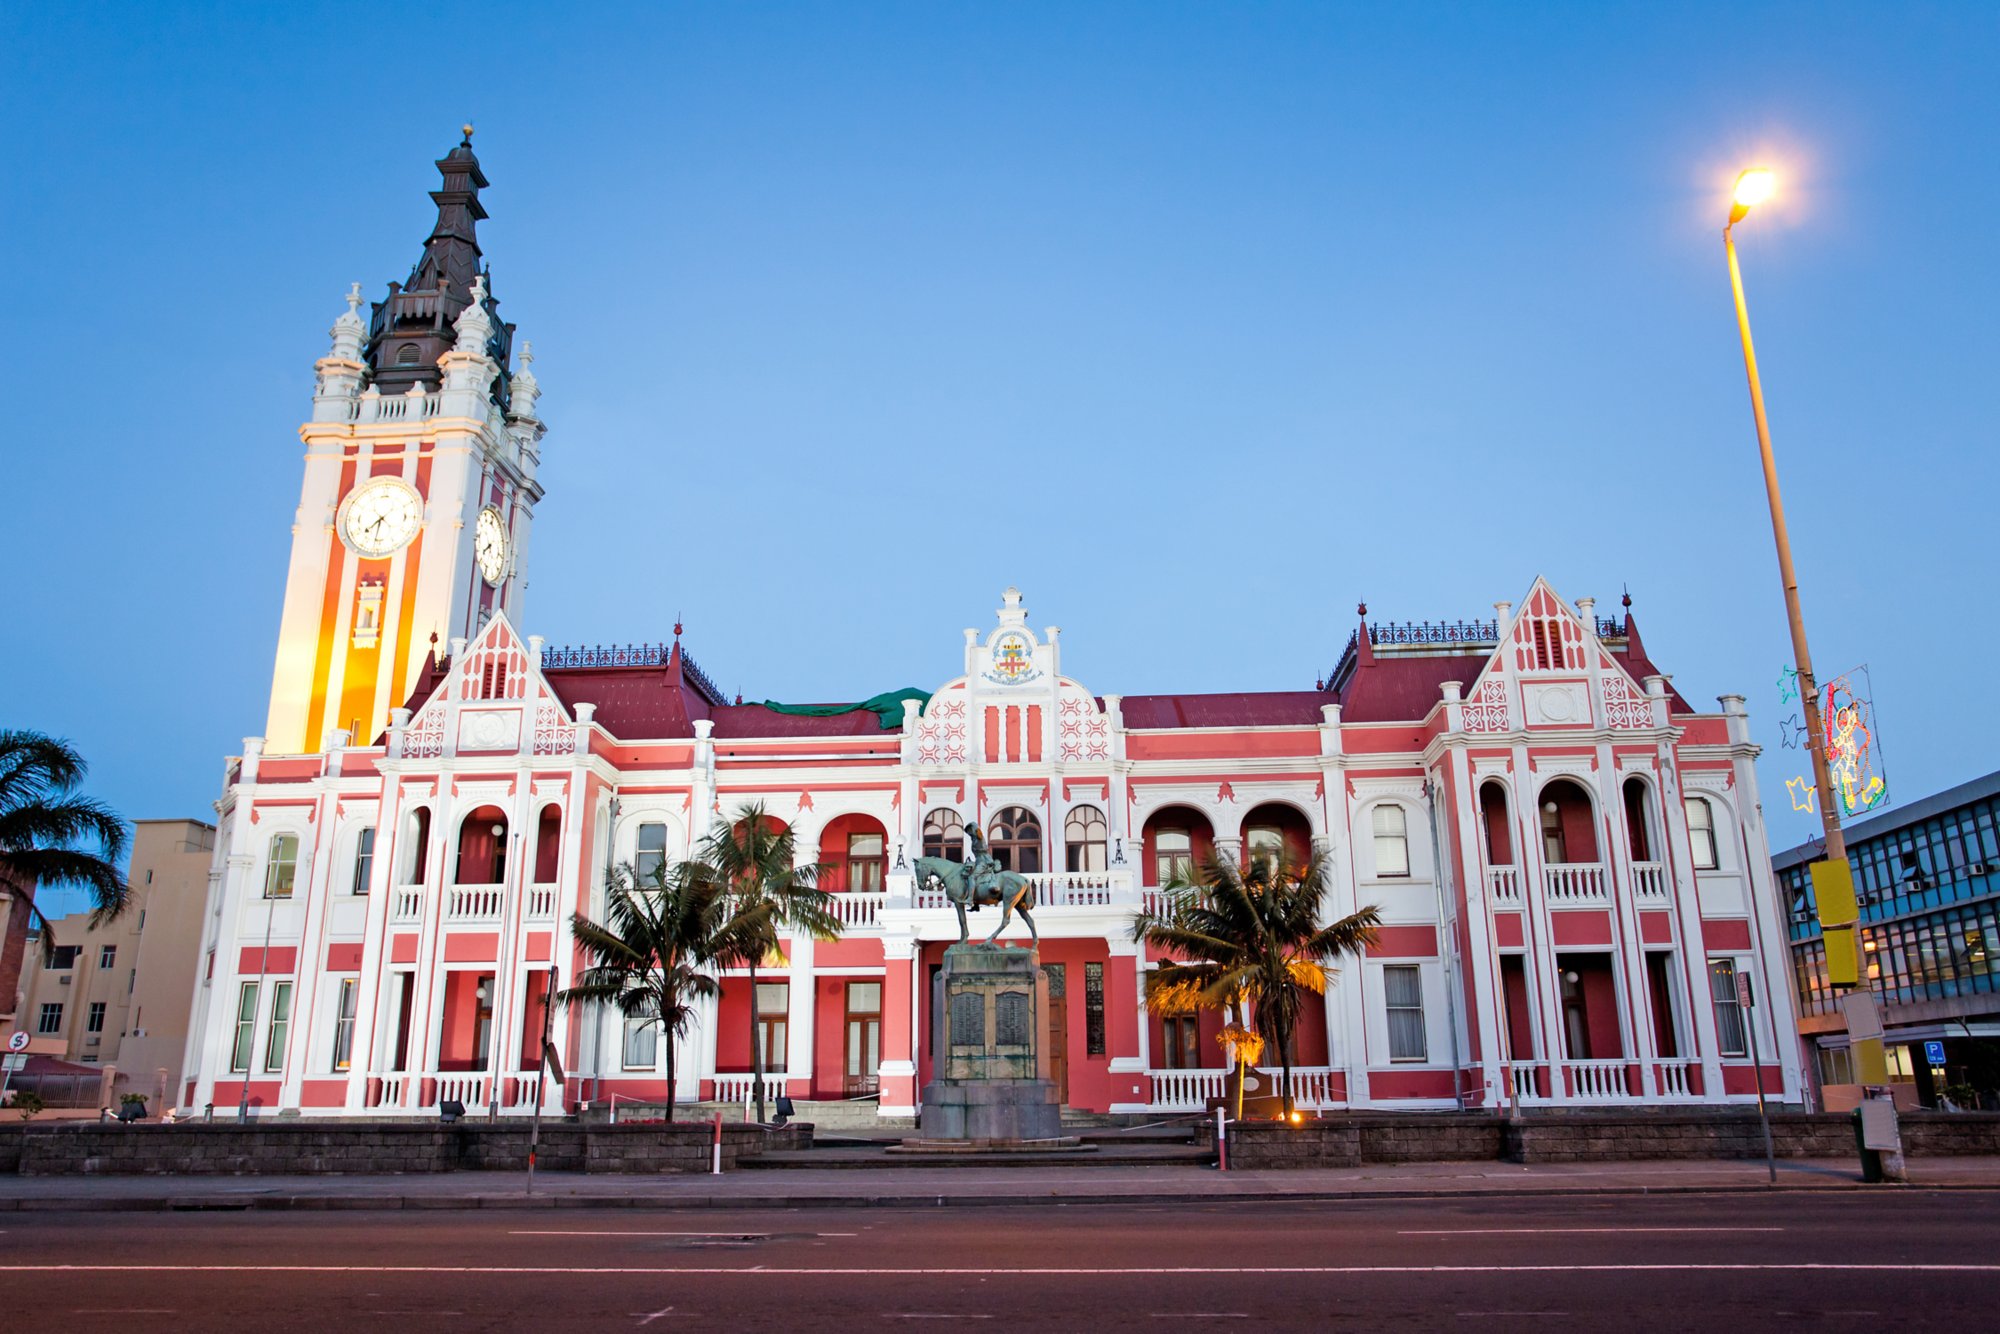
[(1275, 708)]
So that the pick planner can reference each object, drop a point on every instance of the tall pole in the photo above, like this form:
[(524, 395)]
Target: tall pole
[(1829, 811)]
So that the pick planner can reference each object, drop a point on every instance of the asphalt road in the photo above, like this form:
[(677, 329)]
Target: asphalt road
[(1842, 1260)]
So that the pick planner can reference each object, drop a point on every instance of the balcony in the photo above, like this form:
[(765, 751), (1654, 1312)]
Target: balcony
[(1575, 885), (1649, 883), (406, 904), (541, 905), (1193, 1090), (1060, 889), (1503, 886), (857, 912), (464, 904)]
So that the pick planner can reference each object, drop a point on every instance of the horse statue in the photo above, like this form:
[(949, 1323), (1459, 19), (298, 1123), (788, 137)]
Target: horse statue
[(977, 881)]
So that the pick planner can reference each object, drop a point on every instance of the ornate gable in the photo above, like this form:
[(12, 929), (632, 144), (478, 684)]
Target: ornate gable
[(492, 700)]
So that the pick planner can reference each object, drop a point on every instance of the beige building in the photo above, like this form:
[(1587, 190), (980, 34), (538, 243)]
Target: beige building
[(119, 995)]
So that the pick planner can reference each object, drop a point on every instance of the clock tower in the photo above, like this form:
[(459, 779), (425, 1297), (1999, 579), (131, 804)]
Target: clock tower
[(420, 461)]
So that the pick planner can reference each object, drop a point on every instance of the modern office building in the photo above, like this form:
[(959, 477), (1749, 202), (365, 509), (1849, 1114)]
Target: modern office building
[(1927, 876)]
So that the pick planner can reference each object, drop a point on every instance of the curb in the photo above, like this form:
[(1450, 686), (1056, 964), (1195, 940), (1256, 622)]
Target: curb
[(397, 1203)]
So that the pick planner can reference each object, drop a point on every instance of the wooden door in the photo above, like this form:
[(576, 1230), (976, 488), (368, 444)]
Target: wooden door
[(864, 1039), (1058, 1032)]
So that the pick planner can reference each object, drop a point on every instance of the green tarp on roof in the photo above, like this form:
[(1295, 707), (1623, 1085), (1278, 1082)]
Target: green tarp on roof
[(887, 708)]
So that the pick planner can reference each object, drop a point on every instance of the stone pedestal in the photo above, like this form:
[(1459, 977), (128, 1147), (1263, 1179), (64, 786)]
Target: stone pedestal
[(991, 1085)]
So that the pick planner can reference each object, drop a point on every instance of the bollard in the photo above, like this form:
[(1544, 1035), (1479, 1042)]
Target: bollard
[(716, 1168), (1221, 1140)]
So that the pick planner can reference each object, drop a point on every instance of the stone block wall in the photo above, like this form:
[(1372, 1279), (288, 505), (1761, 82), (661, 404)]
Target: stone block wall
[(323, 1148)]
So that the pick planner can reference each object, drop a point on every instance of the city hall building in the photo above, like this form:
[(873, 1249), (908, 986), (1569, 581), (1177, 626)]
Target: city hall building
[(1567, 854)]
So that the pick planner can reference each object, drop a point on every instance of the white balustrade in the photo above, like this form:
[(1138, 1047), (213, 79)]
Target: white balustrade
[(856, 911), (1186, 1090), (385, 1088), (1571, 884), (1193, 1090), (1674, 1081), (541, 902), (473, 903), (1503, 885), (408, 903), (1527, 1079), (1059, 889), (468, 1088), (1649, 882), (743, 1088), (392, 407), (1598, 1081)]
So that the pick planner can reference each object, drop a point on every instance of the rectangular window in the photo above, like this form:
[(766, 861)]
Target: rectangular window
[(773, 1010), (64, 956), (1173, 856), (1180, 1035), (246, 1029), (51, 1018), (1392, 841), (1403, 992), (107, 956), (1701, 833), (343, 1025), (283, 866), (281, 1020), (650, 861), (867, 861), (94, 1023), (1093, 1008), (364, 860), (642, 1043), (1729, 1027)]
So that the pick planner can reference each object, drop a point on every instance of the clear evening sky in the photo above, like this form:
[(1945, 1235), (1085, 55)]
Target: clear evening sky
[(1198, 323)]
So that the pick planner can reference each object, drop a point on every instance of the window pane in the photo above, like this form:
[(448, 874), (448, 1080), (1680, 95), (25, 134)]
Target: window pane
[(1392, 844), (246, 1028), (864, 997), (651, 857), (773, 997), (364, 860), (283, 866), (642, 1044), (1730, 1033), (343, 1026), (1403, 996), (281, 1014)]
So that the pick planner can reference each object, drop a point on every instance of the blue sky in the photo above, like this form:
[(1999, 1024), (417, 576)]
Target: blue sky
[(1197, 322)]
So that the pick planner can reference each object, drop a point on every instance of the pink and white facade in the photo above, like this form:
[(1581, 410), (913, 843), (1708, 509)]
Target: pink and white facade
[(1568, 857)]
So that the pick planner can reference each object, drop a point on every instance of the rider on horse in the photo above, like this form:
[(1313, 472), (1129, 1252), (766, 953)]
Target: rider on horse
[(980, 867)]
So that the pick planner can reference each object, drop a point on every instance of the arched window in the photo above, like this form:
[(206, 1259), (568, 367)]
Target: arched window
[(649, 858), (1084, 833), (1701, 833), (1493, 815), (1555, 847), (283, 867), (482, 847), (408, 354), (1638, 820), (548, 845), (1015, 837), (1568, 824), (867, 861), (416, 845), (944, 835), (1392, 840), (1265, 841)]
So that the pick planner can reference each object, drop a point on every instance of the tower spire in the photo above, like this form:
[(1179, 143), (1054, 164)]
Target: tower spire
[(416, 325)]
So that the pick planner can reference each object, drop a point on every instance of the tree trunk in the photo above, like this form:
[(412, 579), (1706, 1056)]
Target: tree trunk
[(756, 1046), (1285, 1064), (667, 1035), (1242, 1064)]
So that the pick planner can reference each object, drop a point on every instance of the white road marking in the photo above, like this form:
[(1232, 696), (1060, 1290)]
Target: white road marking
[(1201, 1315), (649, 1318), (729, 1236), (1023, 1271), (925, 1315), (1551, 1231), (126, 1310)]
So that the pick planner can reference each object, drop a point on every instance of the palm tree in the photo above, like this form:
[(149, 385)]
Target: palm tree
[(755, 859), (1249, 944), (41, 821), (652, 956)]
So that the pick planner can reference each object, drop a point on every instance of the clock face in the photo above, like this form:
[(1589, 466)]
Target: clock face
[(490, 546), (381, 517)]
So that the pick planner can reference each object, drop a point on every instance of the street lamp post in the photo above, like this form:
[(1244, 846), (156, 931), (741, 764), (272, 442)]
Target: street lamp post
[(1752, 188)]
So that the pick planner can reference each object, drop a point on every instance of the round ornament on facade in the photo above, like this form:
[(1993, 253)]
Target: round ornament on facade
[(490, 547), (381, 517)]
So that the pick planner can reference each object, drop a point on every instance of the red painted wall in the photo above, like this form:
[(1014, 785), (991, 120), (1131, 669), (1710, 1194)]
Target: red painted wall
[(833, 848), (459, 1035)]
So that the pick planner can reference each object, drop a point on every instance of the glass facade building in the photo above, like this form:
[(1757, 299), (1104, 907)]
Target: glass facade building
[(1927, 878)]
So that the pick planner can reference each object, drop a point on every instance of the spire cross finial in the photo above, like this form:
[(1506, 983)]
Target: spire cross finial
[(354, 297), (527, 352)]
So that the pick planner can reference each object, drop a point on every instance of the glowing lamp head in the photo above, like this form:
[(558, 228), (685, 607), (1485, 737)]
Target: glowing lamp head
[(1753, 187)]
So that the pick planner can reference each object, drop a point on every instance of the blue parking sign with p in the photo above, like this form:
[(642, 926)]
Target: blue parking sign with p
[(1934, 1053)]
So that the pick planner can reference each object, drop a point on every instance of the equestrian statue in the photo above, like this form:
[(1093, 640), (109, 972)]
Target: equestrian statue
[(980, 879)]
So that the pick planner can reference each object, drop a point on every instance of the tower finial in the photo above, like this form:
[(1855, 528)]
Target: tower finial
[(1627, 598), (1361, 609), (467, 128)]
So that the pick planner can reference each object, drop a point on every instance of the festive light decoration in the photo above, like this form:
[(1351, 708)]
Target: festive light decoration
[(1805, 797), (1788, 685), (1848, 718)]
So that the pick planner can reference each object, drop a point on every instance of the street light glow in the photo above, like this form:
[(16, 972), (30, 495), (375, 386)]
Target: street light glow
[(1754, 186)]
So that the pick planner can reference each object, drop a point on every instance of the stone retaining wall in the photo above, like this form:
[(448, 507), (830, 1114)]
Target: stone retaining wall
[(305, 1148), (1355, 1140)]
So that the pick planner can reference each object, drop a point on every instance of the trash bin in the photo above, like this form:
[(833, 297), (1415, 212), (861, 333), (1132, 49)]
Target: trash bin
[(1871, 1159)]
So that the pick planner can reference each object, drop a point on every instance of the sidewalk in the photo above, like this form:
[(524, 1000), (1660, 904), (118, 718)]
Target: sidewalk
[(807, 1187)]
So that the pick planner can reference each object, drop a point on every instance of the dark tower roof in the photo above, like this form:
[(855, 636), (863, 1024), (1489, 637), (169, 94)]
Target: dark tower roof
[(413, 328)]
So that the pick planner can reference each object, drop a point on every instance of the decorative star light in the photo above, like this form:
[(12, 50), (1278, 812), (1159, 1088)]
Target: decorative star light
[(1788, 685), (1804, 795)]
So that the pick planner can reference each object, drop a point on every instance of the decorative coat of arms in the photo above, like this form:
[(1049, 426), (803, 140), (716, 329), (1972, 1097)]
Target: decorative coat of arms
[(1011, 660)]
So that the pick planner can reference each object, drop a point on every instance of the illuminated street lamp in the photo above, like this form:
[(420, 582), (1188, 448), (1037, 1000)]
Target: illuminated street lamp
[(1753, 187)]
